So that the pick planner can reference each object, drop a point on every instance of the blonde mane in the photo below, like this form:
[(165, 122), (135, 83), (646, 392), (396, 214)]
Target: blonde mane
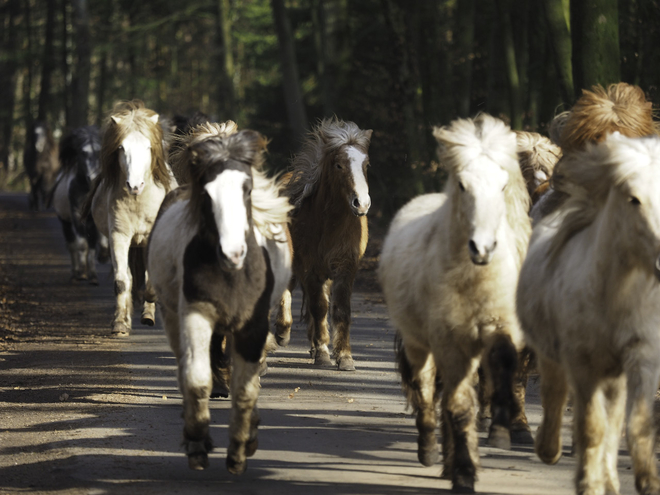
[(127, 117), (536, 154), (464, 140), (270, 208), (621, 108), (328, 136), (589, 175)]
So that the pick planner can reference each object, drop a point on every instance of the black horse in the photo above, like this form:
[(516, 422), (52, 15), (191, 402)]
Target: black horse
[(40, 162), (80, 160)]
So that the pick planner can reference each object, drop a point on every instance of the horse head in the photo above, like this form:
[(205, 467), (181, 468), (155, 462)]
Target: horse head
[(621, 178), (480, 156), (89, 154), (134, 154), (221, 170)]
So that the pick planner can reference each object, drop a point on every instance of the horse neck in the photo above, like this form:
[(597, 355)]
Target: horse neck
[(332, 210)]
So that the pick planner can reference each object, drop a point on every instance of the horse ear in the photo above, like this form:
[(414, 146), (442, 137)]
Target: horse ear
[(368, 134), (154, 118), (116, 119)]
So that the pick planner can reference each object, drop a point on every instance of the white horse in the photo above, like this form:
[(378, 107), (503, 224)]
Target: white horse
[(213, 277), (449, 269), (125, 200), (589, 302)]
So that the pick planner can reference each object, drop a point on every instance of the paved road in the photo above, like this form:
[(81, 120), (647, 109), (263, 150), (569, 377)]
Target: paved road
[(81, 412)]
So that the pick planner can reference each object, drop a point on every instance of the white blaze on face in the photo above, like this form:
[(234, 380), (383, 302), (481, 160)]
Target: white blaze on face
[(356, 159), (226, 193), (40, 141), (135, 161)]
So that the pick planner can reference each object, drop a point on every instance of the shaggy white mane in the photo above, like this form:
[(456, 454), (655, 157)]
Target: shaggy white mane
[(270, 208), (328, 136), (589, 175), (465, 140), (537, 156)]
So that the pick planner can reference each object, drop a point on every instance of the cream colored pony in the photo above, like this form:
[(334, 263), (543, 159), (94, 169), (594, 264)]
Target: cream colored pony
[(589, 302), (449, 269), (125, 200)]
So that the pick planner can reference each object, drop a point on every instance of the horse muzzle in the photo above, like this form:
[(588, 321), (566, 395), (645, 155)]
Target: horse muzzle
[(360, 208), (481, 256)]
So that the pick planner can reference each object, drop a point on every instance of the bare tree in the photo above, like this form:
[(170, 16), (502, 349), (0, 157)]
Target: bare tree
[(292, 93), (9, 10), (47, 62), (81, 75), (226, 93), (557, 15)]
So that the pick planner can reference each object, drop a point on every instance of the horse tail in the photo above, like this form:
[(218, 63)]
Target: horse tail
[(86, 207), (138, 267), (409, 385)]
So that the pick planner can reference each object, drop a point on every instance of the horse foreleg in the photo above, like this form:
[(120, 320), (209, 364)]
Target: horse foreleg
[(220, 365), (72, 244), (247, 349), (459, 403), (520, 431), (195, 381), (341, 323), (92, 237), (590, 423), (284, 318), (149, 305), (554, 392), (615, 391), (418, 380), (120, 244), (642, 374), (500, 366), (317, 330)]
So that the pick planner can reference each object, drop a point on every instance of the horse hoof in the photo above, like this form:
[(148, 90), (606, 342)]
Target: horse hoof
[(462, 484), (428, 457), (148, 320), (322, 358), (522, 436), (220, 391), (346, 364), (251, 447), (499, 437), (236, 467), (198, 461), (120, 330), (283, 340)]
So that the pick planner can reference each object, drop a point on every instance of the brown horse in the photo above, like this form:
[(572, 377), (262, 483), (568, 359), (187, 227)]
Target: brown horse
[(328, 186)]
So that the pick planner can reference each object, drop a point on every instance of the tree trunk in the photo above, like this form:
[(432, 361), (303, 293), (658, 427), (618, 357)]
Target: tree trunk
[(226, 93), (599, 42), (515, 96), (560, 36), (47, 63), (66, 69), (8, 15), (27, 83), (336, 52), (295, 105), (80, 81), (465, 11)]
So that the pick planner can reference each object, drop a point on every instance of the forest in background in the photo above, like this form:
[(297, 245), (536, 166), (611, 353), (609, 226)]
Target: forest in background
[(395, 66)]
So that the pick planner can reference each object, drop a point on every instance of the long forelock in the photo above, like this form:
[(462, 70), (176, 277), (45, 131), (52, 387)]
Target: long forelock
[(133, 119), (182, 155), (326, 138), (466, 140)]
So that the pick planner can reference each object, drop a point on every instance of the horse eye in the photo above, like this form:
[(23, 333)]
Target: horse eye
[(120, 148), (460, 184), (634, 201), (339, 165)]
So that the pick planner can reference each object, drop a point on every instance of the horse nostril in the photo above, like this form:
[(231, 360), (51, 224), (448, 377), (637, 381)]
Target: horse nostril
[(472, 246), (356, 203)]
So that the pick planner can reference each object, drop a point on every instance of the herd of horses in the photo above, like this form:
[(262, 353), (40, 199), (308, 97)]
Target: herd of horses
[(534, 247)]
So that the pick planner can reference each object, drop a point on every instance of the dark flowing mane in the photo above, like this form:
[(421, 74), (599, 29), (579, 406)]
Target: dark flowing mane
[(245, 147), (328, 136), (127, 117), (72, 143)]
